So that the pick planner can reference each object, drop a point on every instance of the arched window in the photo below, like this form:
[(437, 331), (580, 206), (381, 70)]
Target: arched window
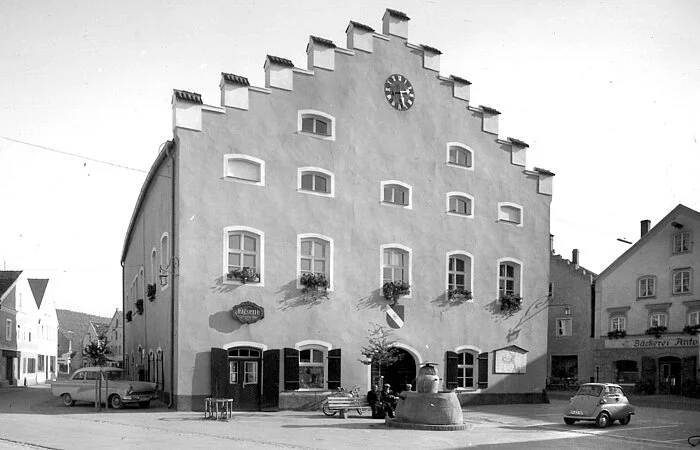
[(395, 265), (244, 168), (510, 212), (316, 123), (509, 277), (312, 367), (164, 260), (244, 249), (459, 271), (466, 369), (460, 155), (314, 180), (396, 193), (461, 204)]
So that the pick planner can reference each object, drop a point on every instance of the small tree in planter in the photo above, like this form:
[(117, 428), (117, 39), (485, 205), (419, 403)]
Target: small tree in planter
[(691, 329), (381, 350), (511, 302), (392, 290), (244, 275), (314, 282), (615, 334), (459, 294), (657, 331), (139, 306), (151, 291)]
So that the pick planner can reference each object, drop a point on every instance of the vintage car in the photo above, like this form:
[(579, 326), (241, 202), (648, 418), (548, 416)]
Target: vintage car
[(603, 403), (116, 389)]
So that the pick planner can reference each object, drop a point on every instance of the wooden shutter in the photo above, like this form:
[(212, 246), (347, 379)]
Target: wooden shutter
[(689, 364), (219, 372), (291, 369), (270, 380), (483, 370), (334, 369), (451, 362)]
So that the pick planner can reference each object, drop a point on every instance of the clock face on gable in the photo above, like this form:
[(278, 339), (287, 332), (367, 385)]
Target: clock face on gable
[(399, 92)]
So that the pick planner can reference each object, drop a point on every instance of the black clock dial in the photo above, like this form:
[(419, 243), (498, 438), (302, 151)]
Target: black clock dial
[(399, 92)]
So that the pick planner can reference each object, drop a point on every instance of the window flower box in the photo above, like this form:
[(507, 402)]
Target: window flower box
[(511, 302), (691, 329), (151, 291), (139, 306), (128, 316), (244, 275), (314, 282), (616, 334), (656, 331), (392, 290), (459, 294)]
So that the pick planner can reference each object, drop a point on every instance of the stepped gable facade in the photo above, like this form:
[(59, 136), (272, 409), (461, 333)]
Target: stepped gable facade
[(265, 234)]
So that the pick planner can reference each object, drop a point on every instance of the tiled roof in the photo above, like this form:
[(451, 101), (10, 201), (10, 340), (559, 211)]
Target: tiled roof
[(322, 41), (38, 287), (518, 142), (431, 49), (188, 96), (77, 322), (460, 79), (362, 26), (7, 278), (235, 79), (280, 61), (543, 171), (397, 14), (489, 109)]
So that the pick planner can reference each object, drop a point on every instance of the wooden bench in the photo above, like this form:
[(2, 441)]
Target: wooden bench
[(345, 404)]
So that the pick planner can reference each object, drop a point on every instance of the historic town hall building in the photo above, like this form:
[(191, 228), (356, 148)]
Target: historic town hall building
[(261, 243)]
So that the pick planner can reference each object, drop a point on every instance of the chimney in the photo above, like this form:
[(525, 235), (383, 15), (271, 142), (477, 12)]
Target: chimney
[(574, 257), (645, 227), (395, 23)]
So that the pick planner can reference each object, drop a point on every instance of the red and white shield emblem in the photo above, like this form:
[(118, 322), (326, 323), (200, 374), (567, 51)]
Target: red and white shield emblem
[(394, 316)]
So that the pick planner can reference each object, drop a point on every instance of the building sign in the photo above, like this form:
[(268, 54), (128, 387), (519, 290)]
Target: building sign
[(248, 312), (511, 359), (652, 342)]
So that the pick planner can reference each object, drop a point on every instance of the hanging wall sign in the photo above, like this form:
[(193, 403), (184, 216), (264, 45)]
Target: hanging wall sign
[(248, 312)]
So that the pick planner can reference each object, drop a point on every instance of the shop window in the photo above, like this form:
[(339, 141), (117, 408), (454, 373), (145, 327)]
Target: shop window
[(312, 368), (626, 371), (244, 168), (646, 287)]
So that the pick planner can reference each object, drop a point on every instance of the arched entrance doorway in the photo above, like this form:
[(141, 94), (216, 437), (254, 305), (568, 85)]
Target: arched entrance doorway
[(670, 375), (398, 374)]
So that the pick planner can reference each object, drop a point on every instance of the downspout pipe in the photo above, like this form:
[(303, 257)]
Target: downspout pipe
[(171, 400)]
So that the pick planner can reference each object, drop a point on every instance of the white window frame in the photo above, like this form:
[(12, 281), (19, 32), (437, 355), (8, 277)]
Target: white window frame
[(8, 329), (311, 170), (462, 195), (641, 281), (520, 265), (243, 157), (303, 113), (329, 257), (694, 318), (618, 322), (561, 327), (681, 238), (658, 317), (407, 186), (674, 274), (475, 352), (164, 268), (154, 262), (501, 217), (322, 346), (464, 147), (408, 251), (261, 254), (466, 255)]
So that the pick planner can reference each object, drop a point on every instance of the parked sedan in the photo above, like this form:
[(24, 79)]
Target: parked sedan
[(603, 403), (116, 389)]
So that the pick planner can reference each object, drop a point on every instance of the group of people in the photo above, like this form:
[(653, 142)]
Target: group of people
[(383, 403)]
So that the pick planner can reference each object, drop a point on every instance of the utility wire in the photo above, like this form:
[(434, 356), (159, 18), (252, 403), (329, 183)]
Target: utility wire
[(73, 154)]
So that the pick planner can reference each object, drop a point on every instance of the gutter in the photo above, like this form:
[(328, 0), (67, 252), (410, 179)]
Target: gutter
[(171, 400)]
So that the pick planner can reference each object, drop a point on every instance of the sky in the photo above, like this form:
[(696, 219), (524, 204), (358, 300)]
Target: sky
[(606, 94)]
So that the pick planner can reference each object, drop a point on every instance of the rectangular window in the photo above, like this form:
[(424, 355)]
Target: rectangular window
[(8, 329), (250, 372), (647, 287), (41, 363), (314, 256), (694, 318), (31, 365), (618, 323), (563, 327), (395, 266), (507, 277), (681, 242), (311, 369), (658, 320), (465, 370), (233, 372), (244, 169), (681, 281)]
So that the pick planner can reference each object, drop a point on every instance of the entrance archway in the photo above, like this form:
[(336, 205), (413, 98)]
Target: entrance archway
[(398, 374)]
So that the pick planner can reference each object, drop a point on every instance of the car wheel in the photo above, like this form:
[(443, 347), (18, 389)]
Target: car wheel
[(116, 402), (625, 420), (569, 421), (144, 404), (603, 420), (68, 400)]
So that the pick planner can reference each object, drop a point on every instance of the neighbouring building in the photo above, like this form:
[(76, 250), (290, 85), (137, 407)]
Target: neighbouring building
[(115, 339), (73, 326), (648, 312), (9, 356), (257, 254), (93, 332), (571, 323), (32, 301)]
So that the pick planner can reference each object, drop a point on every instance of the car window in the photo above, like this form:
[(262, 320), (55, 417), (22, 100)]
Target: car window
[(91, 375), (588, 389), (114, 375), (79, 376)]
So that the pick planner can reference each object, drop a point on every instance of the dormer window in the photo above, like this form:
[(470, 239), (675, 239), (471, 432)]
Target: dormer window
[(316, 123)]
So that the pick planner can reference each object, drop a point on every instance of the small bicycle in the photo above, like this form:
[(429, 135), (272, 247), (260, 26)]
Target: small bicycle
[(342, 392)]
